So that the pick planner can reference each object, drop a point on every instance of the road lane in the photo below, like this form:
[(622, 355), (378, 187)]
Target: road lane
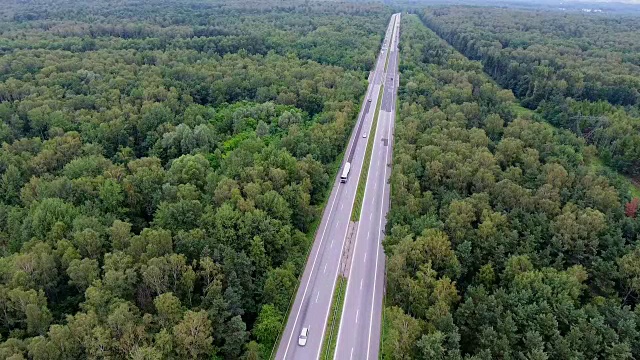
[(313, 299)]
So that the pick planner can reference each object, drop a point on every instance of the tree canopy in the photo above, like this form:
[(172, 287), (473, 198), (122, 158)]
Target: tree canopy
[(581, 71), (162, 168), (503, 241)]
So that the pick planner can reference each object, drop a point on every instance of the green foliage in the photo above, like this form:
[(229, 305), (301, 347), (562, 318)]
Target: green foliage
[(279, 287), (503, 241), (193, 335), (331, 333), (163, 167), (580, 72), (268, 326)]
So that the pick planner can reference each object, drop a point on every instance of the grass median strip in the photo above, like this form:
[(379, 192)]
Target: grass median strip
[(357, 205), (385, 328), (330, 338), (386, 61)]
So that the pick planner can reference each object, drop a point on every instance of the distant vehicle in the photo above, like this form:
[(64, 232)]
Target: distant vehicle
[(364, 135), (345, 172), (302, 339), (369, 100)]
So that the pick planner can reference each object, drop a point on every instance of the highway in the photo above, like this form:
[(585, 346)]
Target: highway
[(360, 323), (312, 303)]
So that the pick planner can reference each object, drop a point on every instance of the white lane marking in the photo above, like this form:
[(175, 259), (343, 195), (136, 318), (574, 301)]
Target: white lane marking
[(340, 327), (357, 313), (370, 215), (317, 296), (313, 266), (331, 244), (325, 268), (360, 284), (342, 206), (351, 356)]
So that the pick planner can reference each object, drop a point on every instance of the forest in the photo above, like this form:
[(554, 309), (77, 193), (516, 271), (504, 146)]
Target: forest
[(504, 240), (580, 71), (164, 165), (163, 168)]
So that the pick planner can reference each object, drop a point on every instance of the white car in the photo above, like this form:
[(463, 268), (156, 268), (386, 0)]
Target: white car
[(364, 135), (302, 339)]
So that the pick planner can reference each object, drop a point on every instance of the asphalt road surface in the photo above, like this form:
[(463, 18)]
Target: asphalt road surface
[(313, 300), (360, 324)]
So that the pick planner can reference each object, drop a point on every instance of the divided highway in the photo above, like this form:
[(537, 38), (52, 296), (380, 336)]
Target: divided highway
[(360, 323), (313, 300)]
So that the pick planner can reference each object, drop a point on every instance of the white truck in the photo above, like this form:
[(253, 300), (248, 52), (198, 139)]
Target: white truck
[(345, 172)]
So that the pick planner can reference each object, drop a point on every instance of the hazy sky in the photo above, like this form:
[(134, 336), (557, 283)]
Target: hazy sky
[(605, 1)]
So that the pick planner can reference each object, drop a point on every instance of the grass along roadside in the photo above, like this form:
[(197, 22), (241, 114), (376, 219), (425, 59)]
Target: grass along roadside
[(598, 164), (329, 343), (635, 190), (357, 204), (522, 111), (384, 330)]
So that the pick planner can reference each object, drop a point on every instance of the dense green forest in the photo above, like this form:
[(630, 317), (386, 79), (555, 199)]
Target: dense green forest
[(163, 164), (504, 241), (344, 34), (581, 71)]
